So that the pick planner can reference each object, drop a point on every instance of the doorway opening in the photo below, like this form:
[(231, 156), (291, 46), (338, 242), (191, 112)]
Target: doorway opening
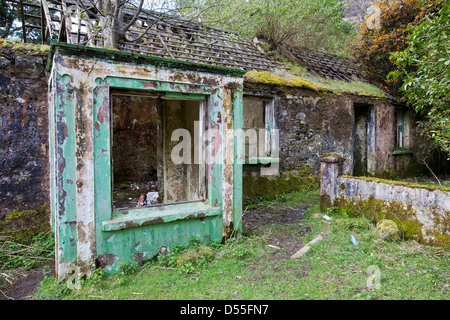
[(362, 139)]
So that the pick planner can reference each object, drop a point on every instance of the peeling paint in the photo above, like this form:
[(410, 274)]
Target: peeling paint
[(106, 259), (97, 234)]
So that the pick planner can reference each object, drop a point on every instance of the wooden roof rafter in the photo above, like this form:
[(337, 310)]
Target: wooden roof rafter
[(154, 33)]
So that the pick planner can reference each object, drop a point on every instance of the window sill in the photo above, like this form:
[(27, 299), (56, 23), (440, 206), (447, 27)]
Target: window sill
[(261, 160), (401, 152), (161, 214)]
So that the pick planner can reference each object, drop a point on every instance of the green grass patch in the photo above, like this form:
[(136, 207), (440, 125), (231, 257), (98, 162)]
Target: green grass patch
[(16, 258), (246, 267)]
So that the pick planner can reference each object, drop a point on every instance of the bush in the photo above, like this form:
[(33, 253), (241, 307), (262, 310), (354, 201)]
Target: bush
[(374, 46)]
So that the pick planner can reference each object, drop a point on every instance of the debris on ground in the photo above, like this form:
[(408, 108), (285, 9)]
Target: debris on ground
[(305, 249)]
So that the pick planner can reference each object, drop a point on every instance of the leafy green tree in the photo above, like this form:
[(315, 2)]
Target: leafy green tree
[(315, 24), (425, 66), (7, 17)]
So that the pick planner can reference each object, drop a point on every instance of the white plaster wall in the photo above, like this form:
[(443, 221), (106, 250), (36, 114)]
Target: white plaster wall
[(422, 200)]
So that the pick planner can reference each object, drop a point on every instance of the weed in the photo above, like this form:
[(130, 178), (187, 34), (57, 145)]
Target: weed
[(127, 269), (170, 258), (333, 210), (52, 289), (27, 256), (96, 278)]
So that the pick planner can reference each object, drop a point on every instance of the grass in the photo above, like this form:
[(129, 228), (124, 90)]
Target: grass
[(18, 258), (246, 267)]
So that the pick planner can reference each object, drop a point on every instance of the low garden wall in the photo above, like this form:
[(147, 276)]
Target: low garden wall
[(421, 212)]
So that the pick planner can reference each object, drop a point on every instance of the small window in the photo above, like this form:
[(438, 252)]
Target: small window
[(257, 127), (401, 134)]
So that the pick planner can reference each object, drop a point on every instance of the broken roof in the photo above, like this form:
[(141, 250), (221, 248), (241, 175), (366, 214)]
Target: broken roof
[(322, 64), (172, 37), (165, 36)]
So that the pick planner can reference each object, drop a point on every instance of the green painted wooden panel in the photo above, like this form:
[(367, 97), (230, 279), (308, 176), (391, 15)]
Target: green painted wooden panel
[(63, 124), (132, 239)]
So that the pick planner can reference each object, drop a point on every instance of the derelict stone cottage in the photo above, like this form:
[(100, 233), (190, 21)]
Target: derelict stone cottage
[(148, 146)]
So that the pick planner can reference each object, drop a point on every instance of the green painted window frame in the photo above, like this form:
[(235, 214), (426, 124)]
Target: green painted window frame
[(163, 214), (102, 148), (400, 147)]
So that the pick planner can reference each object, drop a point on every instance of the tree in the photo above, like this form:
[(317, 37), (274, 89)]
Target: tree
[(425, 66), (109, 20), (7, 17), (356, 10), (375, 45), (316, 24)]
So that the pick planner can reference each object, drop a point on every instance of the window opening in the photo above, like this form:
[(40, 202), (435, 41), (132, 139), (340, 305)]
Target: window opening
[(146, 171), (257, 127)]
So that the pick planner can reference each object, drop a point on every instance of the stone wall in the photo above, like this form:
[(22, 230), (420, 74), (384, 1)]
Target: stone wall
[(314, 123), (311, 125), (24, 171), (421, 212), (428, 207)]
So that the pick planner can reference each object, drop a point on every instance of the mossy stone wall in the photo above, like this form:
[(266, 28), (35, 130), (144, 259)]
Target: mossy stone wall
[(22, 226), (269, 188), (24, 166), (422, 213)]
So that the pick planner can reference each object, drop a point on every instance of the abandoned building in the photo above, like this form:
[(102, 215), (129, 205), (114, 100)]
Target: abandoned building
[(148, 145)]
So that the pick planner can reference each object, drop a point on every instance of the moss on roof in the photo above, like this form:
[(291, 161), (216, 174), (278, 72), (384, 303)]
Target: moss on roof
[(306, 81), (273, 79)]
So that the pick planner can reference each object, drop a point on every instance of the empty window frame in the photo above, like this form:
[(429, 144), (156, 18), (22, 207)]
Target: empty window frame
[(146, 171), (257, 126), (401, 127)]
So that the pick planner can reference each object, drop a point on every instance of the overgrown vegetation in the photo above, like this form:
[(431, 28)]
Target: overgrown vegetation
[(318, 25), (255, 266), (18, 257), (375, 44), (425, 67), (26, 242)]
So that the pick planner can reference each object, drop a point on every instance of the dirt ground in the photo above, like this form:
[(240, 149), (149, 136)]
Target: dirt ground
[(284, 228), (24, 287)]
